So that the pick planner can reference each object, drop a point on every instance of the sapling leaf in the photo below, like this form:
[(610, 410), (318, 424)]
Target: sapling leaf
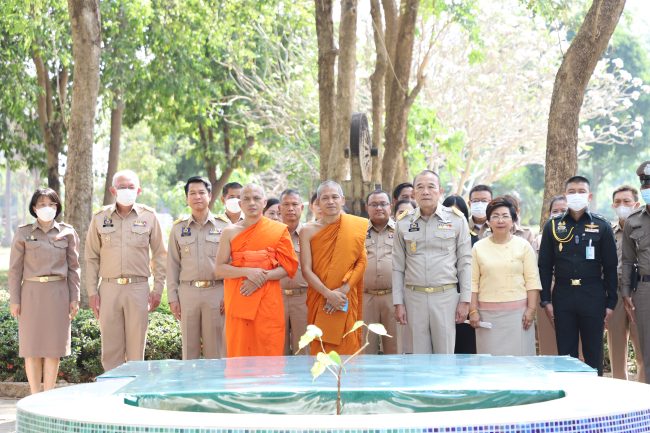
[(324, 359), (314, 330), (335, 357), (305, 340), (358, 324), (317, 369), (378, 329)]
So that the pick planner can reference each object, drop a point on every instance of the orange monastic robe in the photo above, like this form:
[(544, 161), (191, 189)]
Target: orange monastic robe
[(255, 323), (338, 256)]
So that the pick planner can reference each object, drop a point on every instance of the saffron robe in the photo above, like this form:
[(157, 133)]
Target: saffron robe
[(338, 255), (255, 323)]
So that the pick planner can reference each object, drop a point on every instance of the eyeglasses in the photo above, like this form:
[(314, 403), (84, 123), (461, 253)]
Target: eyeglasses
[(376, 205), (504, 217)]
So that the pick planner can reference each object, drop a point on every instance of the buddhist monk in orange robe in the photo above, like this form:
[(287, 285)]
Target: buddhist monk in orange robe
[(333, 257), (254, 254)]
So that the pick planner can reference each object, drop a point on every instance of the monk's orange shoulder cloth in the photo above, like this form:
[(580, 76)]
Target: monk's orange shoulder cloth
[(338, 256), (266, 245)]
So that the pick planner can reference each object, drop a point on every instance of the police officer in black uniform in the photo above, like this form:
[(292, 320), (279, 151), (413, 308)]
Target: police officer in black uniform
[(579, 249)]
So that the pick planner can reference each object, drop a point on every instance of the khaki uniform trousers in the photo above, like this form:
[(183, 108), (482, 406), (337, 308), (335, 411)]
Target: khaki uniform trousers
[(404, 338), (379, 309), (123, 320), (545, 333), (432, 319), (619, 329), (202, 325), (295, 319)]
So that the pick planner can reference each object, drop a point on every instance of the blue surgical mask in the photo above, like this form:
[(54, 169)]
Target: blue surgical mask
[(645, 193)]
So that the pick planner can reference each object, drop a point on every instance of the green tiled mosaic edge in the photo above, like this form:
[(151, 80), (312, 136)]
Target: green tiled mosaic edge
[(633, 422)]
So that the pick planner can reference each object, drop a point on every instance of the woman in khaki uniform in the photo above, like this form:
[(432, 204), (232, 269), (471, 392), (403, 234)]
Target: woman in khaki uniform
[(44, 288)]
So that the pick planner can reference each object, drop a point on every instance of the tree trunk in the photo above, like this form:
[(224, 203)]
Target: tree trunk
[(568, 92), (377, 88), (86, 48), (117, 113), (398, 103), (327, 53), (339, 166), (51, 117), (8, 235)]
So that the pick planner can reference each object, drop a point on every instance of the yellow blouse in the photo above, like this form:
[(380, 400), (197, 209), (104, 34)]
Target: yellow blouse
[(504, 272)]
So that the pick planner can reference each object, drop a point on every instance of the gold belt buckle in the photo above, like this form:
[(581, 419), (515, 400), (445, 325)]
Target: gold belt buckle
[(202, 284), (575, 282), (123, 281), (288, 292), (43, 279), (429, 289)]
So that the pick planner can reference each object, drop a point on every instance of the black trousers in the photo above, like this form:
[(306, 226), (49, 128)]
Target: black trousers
[(579, 314), (465, 339)]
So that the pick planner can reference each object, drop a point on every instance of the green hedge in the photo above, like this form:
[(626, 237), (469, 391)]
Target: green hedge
[(84, 362)]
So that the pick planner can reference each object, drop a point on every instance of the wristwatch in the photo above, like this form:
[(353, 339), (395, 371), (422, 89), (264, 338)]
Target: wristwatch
[(543, 304)]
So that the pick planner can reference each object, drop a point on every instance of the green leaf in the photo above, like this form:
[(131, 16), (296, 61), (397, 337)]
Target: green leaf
[(305, 340), (324, 359), (335, 357), (378, 329), (358, 324), (317, 369)]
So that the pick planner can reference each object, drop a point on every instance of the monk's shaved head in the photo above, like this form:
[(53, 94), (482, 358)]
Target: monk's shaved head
[(253, 187), (329, 184)]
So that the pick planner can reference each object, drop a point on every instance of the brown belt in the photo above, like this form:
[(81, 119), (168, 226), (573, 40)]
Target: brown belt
[(379, 292), (294, 292), (432, 289), (125, 280), (201, 284), (45, 278)]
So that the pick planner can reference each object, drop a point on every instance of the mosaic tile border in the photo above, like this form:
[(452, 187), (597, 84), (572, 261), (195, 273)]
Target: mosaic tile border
[(632, 422)]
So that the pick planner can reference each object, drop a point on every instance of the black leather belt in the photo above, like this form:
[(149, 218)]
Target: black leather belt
[(574, 282)]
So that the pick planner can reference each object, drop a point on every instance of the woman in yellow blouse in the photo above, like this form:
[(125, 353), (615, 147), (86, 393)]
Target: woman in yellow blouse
[(505, 286)]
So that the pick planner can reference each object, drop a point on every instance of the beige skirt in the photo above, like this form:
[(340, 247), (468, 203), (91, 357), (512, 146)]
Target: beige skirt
[(44, 324), (507, 335)]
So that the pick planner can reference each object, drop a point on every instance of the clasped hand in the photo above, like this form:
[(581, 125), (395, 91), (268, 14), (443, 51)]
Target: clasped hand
[(336, 300), (255, 279)]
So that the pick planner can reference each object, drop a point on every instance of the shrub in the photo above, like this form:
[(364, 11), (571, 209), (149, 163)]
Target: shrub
[(84, 362)]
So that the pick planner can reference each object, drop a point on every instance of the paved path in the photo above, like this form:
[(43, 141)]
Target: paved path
[(8, 415)]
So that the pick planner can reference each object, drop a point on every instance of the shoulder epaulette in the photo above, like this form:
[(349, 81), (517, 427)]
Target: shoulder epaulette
[(600, 217), (24, 225), (102, 209), (65, 224), (401, 216), (181, 219), (457, 212), (148, 208), (638, 210)]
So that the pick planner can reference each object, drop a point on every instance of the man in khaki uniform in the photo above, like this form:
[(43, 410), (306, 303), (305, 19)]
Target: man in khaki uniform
[(195, 297), (294, 290), (636, 254), (431, 257), (230, 195), (479, 197), (625, 199), (378, 292), (117, 251)]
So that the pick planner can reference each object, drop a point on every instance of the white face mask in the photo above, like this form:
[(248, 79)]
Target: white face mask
[(46, 214), (478, 208), (578, 201), (232, 205), (623, 211), (126, 197)]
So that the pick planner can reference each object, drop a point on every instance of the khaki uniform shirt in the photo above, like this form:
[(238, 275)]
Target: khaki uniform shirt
[(618, 236), (298, 281), (119, 247), (480, 231), (635, 247), (432, 253), (35, 253), (379, 249), (192, 252)]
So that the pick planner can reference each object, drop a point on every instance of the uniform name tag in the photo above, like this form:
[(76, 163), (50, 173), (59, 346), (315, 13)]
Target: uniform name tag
[(139, 223), (31, 239), (589, 230), (445, 226), (414, 227), (215, 231)]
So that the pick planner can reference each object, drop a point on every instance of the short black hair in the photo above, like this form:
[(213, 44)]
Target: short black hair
[(404, 201), (501, 202), (459, 202), (49, 193), (313, 198), (378, 191), (230, 185), (270, 202), (289, 191), (398, 189), (623, 188), (198, 179), (555, 200), (577, 179), (480, 187)]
